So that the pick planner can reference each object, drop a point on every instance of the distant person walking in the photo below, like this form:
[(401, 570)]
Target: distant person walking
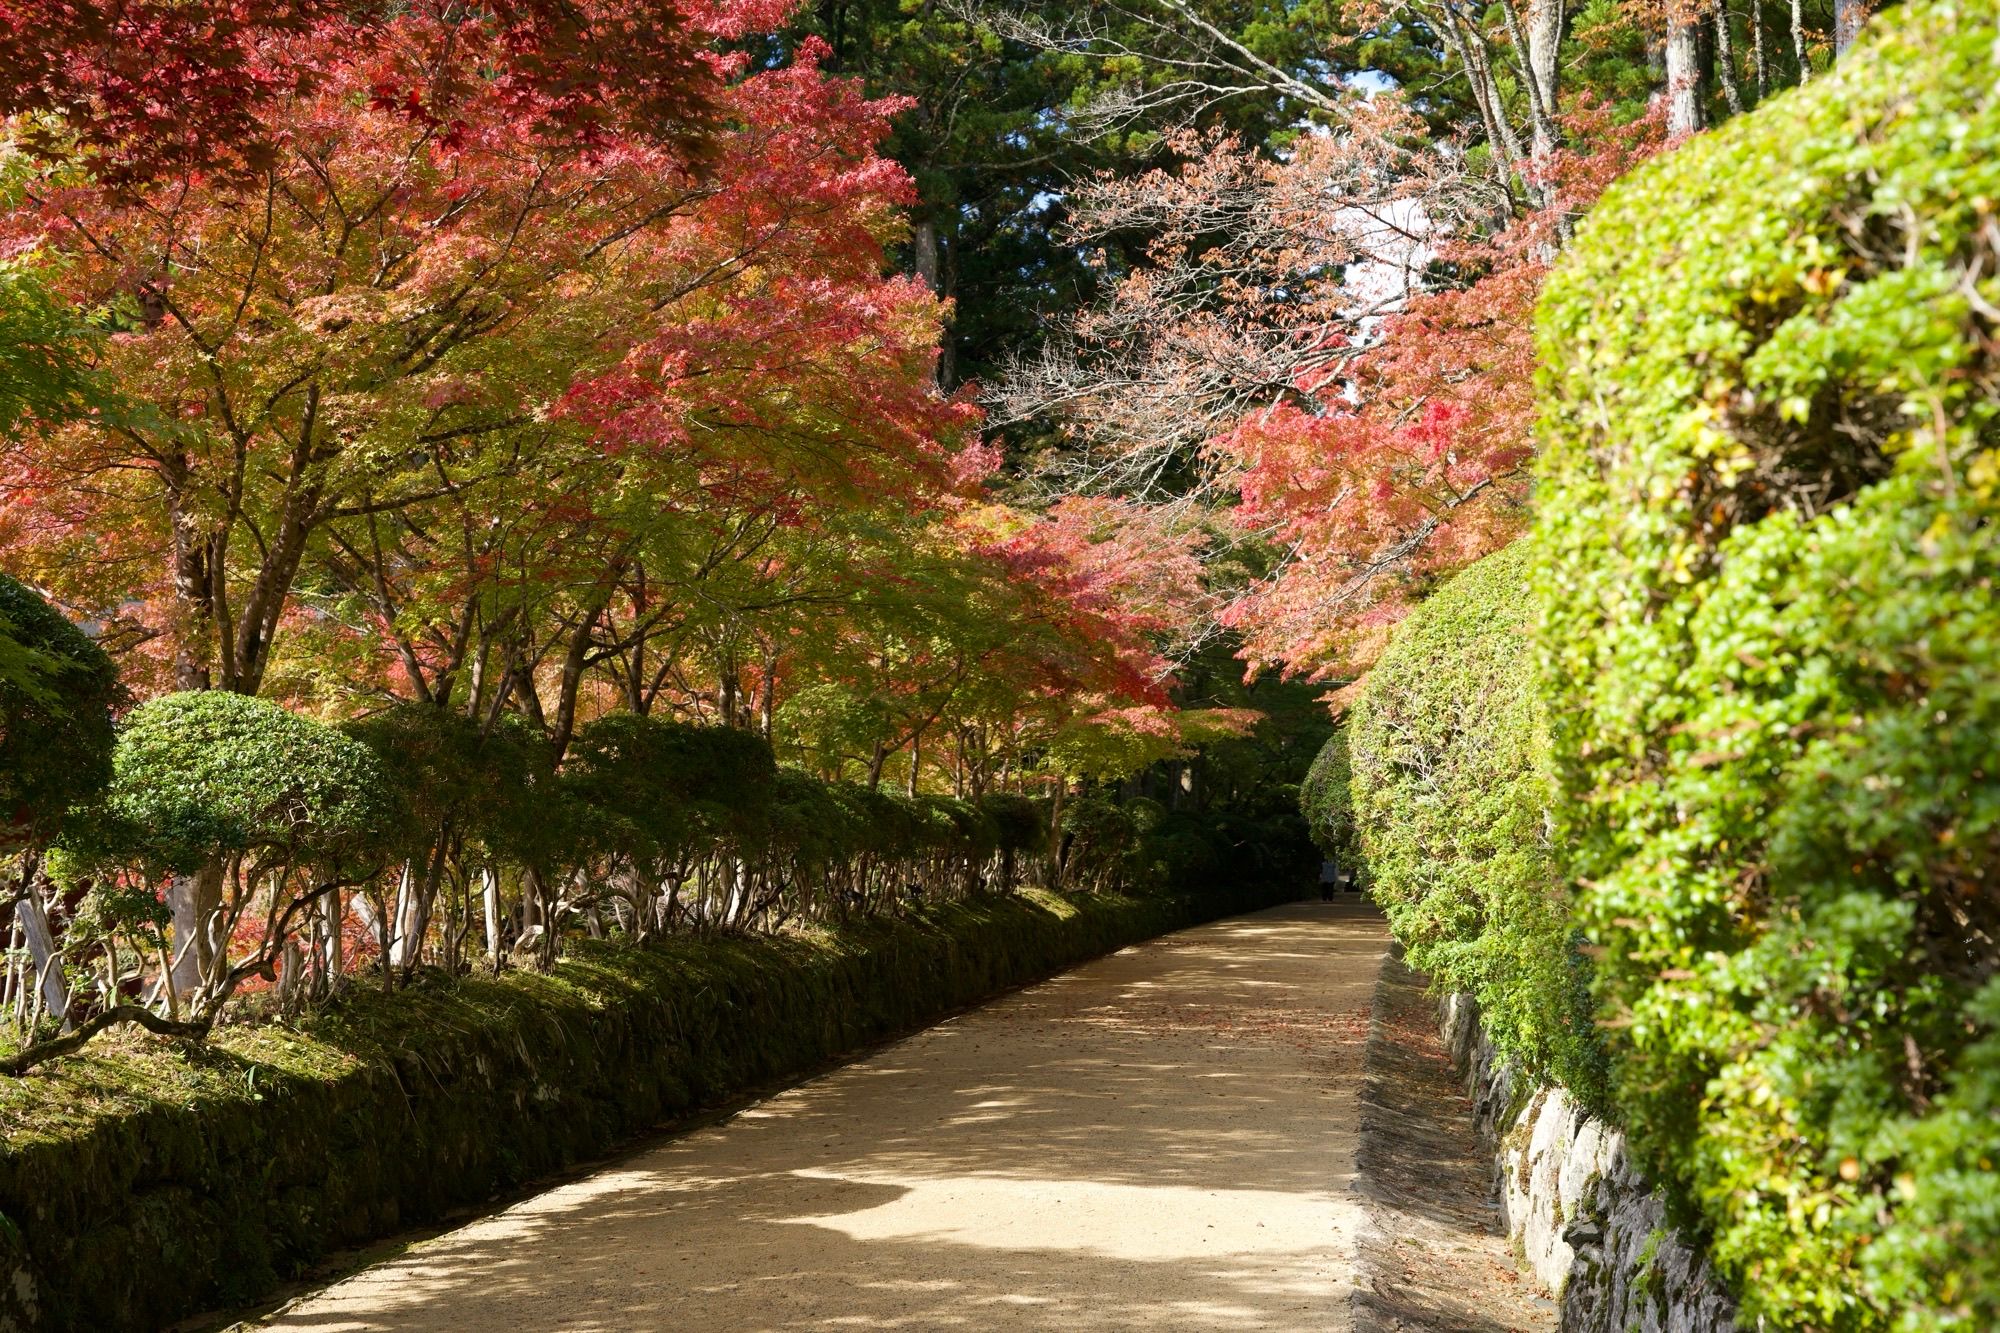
[(1329, 879)]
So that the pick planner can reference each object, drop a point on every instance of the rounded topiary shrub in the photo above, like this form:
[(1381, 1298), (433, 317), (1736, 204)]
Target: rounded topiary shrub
[(57, 690), (1449, 792), (206, 774), (1771, 505)]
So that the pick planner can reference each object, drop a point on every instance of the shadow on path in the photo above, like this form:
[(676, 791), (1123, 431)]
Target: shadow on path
[(1162, 1139), (1433, 1253)]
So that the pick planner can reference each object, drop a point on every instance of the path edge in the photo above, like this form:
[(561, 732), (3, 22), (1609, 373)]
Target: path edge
[(152, 1212)]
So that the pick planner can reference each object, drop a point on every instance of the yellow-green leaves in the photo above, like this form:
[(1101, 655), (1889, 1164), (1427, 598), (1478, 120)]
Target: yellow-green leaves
[(1772, 666)]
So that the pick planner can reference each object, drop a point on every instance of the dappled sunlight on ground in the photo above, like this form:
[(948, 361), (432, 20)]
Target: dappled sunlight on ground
[(1161, 1139)]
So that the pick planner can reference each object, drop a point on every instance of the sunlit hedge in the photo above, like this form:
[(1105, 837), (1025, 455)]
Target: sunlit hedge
[(206, 775), (1449, 791), (1771, 504)]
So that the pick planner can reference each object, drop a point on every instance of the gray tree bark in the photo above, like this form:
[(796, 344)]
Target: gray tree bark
[(490, 899), (1758, 57), (1545, 26), (41, 942), (1683, 74), (331, 914), (193, 899), (1725, 60), (1849, 17)]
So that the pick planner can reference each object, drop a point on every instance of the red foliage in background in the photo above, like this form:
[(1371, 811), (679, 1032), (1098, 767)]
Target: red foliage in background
[(150, 88)]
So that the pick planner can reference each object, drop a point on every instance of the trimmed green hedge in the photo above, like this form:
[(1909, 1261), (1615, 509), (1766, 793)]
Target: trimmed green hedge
[(1771, 503), (138, 1185), (1110, 845), (207, 773), (57, 690), (1450, 793), (1326, 798)]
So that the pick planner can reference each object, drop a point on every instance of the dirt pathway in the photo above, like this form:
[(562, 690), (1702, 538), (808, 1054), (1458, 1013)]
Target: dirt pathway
[(1162, 1139), (1432, 1255)]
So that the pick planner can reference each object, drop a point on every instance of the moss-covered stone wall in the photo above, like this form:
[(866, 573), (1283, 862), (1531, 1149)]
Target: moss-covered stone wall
[(141, 1183)]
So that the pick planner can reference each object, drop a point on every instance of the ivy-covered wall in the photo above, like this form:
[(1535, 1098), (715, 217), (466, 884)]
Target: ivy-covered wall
[(139, 1184)]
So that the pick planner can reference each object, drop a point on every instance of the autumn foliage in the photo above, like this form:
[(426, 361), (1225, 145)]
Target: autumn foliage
[(1326, 354), (486, 383), (509, 378)]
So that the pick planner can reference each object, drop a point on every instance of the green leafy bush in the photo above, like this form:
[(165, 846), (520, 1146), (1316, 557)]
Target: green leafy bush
[(1097, 832), (436, 767), (1772, 512), (1018, 820), (57, 690), (1450, 794), (658, 786), (207, 774), (1326, 800)]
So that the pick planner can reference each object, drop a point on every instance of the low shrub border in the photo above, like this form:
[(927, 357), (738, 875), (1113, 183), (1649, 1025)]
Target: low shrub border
[(139, 1184)]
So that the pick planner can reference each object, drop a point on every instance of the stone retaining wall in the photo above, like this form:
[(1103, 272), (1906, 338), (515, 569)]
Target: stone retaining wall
[(1579, 1214)]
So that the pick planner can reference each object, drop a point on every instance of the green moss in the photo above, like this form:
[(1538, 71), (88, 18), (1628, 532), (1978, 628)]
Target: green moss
[(144, 1182), (1647, 1283)]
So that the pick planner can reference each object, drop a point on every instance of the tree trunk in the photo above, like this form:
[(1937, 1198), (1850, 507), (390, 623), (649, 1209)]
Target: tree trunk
[(1545, 27), (1535, 42), (42, 956), (725, 695), (490, 897), (1725, 60), (946, 374), (1849, 17), (1799, 43), (403, 930), (192, 900), (290, 963), (336, 946), (376, 920), (1758, 56), (570, 683), (1683, 74), (767, 703), (1468, 46), (193, 597), (924, 254), (1055, 834)]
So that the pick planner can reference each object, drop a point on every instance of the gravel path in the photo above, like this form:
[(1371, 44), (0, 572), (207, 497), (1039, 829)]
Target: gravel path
[(1165, 1138)]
